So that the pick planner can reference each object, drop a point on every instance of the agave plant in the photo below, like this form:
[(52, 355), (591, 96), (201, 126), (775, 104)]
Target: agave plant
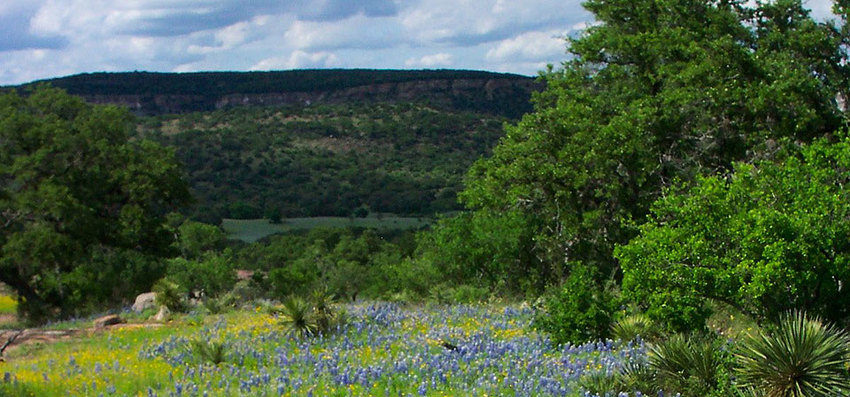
[(802, 357), (297, 317)]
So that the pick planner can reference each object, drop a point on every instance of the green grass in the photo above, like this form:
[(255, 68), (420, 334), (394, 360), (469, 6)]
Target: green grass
[(8, 304), (251, 230)]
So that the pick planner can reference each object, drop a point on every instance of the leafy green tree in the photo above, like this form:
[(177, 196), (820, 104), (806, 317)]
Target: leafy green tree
[(767, 239), (196, 238), (659, 91), (74, 188), (578, 311)]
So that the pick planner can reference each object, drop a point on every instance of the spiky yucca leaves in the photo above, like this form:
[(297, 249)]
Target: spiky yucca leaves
[(208, 351), (297, 317), (637, 375), (802, 357), (630, 327), (323, 301), (691, 365)]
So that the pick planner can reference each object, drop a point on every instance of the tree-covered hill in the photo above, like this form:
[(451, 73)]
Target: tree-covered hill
[(160, 93), (325, 160)]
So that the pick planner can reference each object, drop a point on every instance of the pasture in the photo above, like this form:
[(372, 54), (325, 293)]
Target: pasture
[(250, 230)]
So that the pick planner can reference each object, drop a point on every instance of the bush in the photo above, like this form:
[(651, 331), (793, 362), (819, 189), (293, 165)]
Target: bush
[(769, 238), (801, 357), (580, 310), (212, 274)]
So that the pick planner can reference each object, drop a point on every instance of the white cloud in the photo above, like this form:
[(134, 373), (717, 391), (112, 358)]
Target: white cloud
[(529, 46), (298, 60), (429, 61)]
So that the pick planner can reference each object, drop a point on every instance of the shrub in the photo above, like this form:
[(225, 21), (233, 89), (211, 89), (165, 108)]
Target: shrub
[(580, 310), (801, 357)]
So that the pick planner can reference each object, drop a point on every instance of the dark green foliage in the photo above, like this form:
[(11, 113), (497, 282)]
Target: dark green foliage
[(580, 310), (656, 93), (210, 275), (197, 238), (75, 191), (328, 160), (768, 239), (349, 264), (799, 357), (486, 251), (204, 91)]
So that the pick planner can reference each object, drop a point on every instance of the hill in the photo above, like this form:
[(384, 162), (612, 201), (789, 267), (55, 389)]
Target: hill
[(307, 143), (325, 160), (161, 93)]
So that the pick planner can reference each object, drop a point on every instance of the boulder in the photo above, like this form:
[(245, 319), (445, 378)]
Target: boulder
[(162, 314), (144, 301), (104, 321)]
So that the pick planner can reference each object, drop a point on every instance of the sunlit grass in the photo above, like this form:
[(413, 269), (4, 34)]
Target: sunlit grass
[(8, 304)]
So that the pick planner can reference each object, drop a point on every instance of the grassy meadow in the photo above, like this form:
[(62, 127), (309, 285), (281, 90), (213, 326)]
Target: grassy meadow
[(250, 230), (385, 349)]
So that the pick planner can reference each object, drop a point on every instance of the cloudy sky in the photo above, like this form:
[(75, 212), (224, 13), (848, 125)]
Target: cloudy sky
[(50, 38)]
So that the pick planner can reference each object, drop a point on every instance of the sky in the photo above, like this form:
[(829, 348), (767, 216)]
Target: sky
[(51, 38)]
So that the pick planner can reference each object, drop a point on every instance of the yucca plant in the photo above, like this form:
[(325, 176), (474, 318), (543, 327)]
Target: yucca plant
[(637, 375), (323, 305), (688, 364), (599, 382), (297, 317), (802, 357), (208, 351), (630, 327)]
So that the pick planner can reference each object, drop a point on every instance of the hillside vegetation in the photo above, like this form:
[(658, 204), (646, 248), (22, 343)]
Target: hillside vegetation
[(325, 160)]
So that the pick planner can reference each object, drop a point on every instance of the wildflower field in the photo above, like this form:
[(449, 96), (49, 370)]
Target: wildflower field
[(384, 350)]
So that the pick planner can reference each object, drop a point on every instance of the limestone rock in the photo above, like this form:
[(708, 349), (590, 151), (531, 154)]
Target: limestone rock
[(162, 314), (104, 321), (144, 301)]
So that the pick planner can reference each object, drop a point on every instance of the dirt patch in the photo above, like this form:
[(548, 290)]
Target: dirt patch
[(34, 335), (7, 319)]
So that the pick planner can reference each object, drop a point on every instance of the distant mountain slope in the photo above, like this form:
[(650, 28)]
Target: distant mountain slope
[(325, 160), (169, 93)]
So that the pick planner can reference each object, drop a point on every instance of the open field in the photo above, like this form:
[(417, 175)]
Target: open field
[(386, 349), (251, 230)]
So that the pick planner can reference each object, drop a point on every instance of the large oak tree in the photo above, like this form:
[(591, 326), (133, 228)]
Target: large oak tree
[(82, 205)]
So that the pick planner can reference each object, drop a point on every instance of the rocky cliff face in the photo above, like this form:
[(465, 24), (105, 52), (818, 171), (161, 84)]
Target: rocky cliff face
[(508, 97)]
